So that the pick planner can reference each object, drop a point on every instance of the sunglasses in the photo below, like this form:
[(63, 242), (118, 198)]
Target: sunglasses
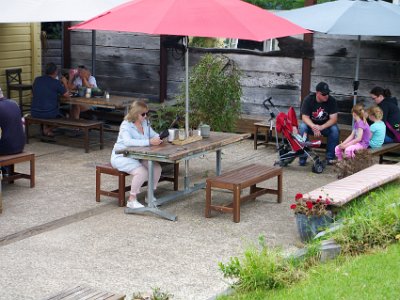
[(144, 114), (324, 94)]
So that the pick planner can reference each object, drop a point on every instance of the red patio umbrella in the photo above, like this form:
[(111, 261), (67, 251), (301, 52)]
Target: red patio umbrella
[(203, 18)]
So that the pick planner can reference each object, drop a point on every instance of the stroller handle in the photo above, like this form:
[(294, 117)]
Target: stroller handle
[(271, 113)]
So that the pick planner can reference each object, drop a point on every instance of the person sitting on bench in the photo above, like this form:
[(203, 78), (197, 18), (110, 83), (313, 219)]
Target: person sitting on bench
[(135, 130), (12, 137), (377, 128), (46, 90), (319, 115), (391, 113)]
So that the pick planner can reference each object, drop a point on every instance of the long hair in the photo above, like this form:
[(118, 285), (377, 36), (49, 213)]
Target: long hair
[(358, 109), (137, 108), (378, 91), (376, 112)]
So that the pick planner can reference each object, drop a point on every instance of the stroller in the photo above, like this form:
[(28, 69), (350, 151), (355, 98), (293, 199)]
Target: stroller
[(292, 144)]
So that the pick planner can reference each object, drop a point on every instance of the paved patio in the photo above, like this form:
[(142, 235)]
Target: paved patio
[(59, 237)]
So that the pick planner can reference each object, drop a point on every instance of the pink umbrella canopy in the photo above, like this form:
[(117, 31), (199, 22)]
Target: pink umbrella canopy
[(202, 18)]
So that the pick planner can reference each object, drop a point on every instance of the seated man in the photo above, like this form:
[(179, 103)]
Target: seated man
[(12, 137), (319, 115), (82, 78), (46, 90)]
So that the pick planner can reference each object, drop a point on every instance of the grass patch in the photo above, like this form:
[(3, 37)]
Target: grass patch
[(373, 276), (370, 224)]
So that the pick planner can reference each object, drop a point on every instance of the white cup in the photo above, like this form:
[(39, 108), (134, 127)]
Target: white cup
[(171, 135)]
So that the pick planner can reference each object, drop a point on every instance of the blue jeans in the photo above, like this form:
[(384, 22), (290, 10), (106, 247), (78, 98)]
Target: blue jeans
[(388, 140), (331, 133)]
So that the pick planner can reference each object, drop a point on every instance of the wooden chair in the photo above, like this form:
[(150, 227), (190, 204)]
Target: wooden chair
[(14, 83)]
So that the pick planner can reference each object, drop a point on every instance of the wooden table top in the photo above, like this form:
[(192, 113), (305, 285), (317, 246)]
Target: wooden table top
[(114, 102), (170, 152)]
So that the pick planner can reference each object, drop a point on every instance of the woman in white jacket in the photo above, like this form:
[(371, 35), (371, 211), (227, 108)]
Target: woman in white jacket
[(136, 131)]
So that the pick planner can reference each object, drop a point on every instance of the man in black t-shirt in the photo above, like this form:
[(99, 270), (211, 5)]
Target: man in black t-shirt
[(319, 115)]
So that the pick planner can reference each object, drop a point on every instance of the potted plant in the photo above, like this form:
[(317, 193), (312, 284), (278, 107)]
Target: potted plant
[(312, 216)]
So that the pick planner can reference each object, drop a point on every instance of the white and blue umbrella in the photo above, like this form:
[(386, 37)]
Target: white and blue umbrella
[(349, 17)]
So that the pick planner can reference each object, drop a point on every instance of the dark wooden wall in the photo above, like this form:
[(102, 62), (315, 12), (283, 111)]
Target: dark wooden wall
[(51, 52), (129, 64)]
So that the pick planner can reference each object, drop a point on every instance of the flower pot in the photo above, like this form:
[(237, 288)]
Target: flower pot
[(309, 226)]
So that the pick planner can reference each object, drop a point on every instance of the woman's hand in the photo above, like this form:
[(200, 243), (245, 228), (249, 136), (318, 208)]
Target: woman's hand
[(155, 141)]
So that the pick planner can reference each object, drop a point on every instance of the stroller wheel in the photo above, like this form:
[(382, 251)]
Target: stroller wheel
[(318, 166)]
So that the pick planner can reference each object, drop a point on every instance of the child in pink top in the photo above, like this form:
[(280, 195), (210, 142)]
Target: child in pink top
[(359, 137)]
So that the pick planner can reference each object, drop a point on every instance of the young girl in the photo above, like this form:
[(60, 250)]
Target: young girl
[(359, 137), (378, 128)]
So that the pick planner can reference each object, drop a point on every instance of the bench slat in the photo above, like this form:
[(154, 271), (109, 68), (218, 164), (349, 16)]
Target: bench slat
[(349, 188)]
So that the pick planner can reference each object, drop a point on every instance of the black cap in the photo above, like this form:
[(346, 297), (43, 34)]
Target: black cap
[(323, 87)]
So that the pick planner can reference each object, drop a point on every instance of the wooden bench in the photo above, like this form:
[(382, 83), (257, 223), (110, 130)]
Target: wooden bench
[(122, 187), (344, 190), (85, 292), (384, 149), (10, 161), (84, 125), (239, 179)]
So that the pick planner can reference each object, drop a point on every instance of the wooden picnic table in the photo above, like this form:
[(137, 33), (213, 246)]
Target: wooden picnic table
[(168, 152), (114, 102)]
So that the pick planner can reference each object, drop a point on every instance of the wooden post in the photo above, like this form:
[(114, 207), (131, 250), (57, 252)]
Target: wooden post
[(163, 69), (306, 66), (66, 45)]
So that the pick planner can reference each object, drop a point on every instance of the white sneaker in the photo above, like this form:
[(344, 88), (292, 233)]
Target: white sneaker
[(134, 204)]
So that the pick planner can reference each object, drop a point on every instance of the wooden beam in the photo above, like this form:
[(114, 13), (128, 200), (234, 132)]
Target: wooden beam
[(66, 45), (307, 62), (163, 69)]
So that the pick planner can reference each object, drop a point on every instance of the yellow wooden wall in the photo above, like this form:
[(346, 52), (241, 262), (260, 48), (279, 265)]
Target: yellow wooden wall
[(20, 47)]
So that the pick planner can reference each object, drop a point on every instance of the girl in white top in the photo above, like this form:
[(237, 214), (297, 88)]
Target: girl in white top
[(135, 131)]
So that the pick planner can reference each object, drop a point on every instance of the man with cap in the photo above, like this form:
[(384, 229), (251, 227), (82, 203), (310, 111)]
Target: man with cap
[(319, 115)]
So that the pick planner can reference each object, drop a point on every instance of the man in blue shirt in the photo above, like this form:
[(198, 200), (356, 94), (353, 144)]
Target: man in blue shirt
[(46, 90), (12, 137)]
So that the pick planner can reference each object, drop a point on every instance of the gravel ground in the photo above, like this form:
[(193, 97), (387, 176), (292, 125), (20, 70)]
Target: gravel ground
[(56, 236)]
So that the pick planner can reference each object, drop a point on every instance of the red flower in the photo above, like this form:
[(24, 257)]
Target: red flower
[(318, 200), (320, 197), (293, 206), (298, 196), (327, 202), (309, 204)]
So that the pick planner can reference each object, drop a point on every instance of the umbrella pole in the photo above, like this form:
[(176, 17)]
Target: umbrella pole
[(93, 52), (187, 87), (186, 179), (356, 82)]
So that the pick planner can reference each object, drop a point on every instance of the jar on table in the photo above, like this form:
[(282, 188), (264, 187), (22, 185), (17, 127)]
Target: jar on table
[(181, 134), (88, 92)]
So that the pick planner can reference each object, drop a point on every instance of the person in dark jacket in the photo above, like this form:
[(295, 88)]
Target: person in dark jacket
[(391, 113), (12, 137), (46, 90)]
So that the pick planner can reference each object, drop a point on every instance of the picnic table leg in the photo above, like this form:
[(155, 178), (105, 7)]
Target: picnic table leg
[(101, 137), (208, 199), (86, 140), (236, 204), (218, 163), (280, 188), (32, 169)]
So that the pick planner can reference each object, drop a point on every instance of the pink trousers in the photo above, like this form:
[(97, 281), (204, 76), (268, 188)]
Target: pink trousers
[(350, 151), (141, 174)]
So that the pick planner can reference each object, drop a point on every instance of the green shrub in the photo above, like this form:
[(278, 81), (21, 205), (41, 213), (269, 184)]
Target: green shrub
[(214, 92), (261, 268)]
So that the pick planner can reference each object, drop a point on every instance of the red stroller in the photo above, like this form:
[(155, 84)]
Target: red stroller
[(293, 145)]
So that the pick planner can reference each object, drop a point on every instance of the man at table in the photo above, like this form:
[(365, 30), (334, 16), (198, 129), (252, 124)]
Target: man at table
[(82, 78), (46, 90), (12, 137)]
